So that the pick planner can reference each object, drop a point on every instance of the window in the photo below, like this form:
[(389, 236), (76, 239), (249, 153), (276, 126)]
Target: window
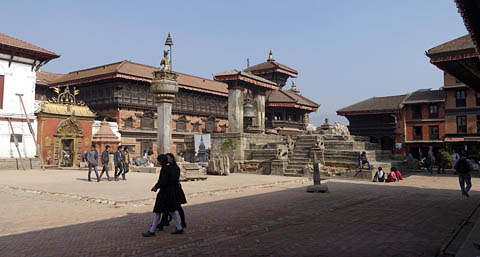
[(433, 111), (478, 99), (18, 136), (417, 112), (461, 124), (417, 133), (461, 96), (433, 132), (2, 81)]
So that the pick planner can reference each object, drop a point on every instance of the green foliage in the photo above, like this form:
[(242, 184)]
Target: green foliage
[(228, 145), (447, 157)]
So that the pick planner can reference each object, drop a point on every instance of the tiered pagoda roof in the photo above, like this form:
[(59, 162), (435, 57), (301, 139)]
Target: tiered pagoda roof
[(272, 66)]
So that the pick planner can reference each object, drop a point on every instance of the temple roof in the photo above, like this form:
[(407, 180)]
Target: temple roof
[(425, 96), (245, 76), (287, 98), (16, 45), (65, 110), (271, 66), (139, 72), (375, 105), (461, 43), (46, 78)]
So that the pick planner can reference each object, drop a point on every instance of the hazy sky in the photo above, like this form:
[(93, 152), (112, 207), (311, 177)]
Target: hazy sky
[(345, 51)]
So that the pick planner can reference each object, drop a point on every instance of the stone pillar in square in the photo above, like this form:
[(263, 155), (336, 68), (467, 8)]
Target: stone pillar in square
[(235, 109), (164, 87)]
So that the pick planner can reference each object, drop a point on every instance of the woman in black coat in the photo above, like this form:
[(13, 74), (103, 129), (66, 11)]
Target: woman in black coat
[(167, 197), (180, 195)]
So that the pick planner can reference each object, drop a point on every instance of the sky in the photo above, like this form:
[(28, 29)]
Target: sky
[(344, 51)]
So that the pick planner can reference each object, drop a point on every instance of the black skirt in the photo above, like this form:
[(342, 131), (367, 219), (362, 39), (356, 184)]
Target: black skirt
[(167, 200)]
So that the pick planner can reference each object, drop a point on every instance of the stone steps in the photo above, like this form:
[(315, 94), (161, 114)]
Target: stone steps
[(15, 164)]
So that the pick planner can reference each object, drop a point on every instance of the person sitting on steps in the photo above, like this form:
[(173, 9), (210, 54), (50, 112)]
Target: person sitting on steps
[(363, 159)]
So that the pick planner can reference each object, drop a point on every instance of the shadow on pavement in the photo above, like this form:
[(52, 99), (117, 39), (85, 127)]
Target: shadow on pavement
[(351, 220)]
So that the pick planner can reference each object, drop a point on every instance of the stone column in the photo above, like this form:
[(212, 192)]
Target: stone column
[(164, 87), (259, 99), (235, 109)]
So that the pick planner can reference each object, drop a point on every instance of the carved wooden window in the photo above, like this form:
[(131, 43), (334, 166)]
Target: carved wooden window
[(196, 127), (461, 124), (181, 124), (191, 99), (147, 122), (128, 122)]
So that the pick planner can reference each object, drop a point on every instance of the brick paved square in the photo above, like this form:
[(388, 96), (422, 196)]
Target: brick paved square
[(356, 218)]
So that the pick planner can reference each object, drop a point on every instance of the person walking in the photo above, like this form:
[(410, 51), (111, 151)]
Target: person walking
[(126, 161), (430, 160), (105, 162), (440, 161), (463, 168), (166, 200), (117, 161), (92, 159)]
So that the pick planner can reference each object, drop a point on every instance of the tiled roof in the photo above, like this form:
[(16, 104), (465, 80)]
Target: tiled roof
[(141, 72), (425, 96), (46, 78), (246, 74), (461, 43), (387, 103), (287, 96), (11, 43), (270, 65)]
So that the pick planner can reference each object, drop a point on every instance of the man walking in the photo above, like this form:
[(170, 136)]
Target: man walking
[(430, 160), (92, 159), (126, 161), (463, 168), (117, 161), (105, 161), (441, 161)]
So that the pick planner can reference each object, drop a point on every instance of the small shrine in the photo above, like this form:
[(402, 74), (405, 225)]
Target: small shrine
[(64, 129)]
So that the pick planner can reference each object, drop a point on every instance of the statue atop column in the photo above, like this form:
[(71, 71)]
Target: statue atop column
[(165, 63)]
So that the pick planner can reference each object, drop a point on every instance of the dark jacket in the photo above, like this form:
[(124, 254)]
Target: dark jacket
[(117, 158), (105, 158), (168, 183)]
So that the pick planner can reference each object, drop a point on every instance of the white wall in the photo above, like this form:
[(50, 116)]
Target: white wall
[(19, 78)]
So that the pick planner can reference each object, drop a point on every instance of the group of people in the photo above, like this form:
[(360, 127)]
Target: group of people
[(121, 160), (394, 176), (169, 198)]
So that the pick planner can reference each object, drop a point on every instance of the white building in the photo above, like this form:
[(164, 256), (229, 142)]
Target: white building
[(19, 61)]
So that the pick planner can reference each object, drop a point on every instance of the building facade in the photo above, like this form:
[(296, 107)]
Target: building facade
[(19, 61), (424, 112), (381, 119), (120, 92)]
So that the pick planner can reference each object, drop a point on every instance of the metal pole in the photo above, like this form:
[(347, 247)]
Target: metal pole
[(31, 131), (171, 59), (16, 142)]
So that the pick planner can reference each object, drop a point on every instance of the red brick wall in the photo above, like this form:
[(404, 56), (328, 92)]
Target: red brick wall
[(47, 139)]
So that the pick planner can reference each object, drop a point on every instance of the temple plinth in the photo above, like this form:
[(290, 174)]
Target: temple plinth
[(164, 86)]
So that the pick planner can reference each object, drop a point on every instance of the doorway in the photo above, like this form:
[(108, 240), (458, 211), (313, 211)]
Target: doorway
[(67, 153)]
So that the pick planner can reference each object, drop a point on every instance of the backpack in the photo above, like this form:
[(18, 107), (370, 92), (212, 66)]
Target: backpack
[(462, 166)]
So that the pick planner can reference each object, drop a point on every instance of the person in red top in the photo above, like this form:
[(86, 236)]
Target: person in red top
[(392, 177), (398, 174)]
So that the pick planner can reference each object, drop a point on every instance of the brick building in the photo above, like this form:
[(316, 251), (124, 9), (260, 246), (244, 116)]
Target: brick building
[(424, 112)]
